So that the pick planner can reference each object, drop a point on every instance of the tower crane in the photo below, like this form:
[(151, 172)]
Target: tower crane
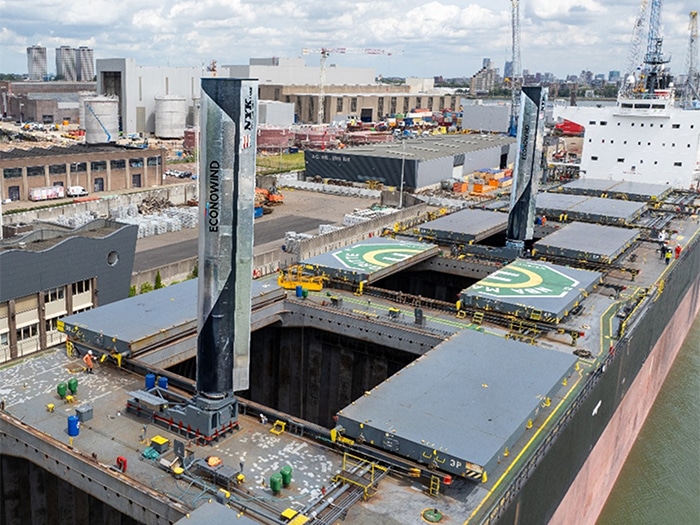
[(324, 52), (692, 81), (516, 80)]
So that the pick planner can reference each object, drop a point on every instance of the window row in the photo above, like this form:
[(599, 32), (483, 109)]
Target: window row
[(78, 167), (639, 143), (28, 332), (641, 124), (81, 287), (641, 161), (55, 294)]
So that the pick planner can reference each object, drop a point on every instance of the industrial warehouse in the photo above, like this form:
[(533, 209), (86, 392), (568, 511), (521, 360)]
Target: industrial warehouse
[(96, 168), (416, 163)]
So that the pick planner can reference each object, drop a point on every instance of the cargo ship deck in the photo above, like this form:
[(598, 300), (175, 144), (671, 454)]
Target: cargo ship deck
[(496, 379)]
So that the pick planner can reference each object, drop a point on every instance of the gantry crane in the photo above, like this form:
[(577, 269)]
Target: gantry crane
[(324, 52), (516, 81)]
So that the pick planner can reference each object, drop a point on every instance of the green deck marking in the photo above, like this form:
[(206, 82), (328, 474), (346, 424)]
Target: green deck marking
[(526, 279), (372, 257)]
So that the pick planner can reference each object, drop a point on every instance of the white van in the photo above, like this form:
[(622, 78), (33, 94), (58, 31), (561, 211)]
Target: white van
[(76, 191)]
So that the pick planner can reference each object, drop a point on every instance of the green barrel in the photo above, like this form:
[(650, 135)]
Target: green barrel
[(73, 385), (305, 293), (276, 483), (62, 388), (286, 473)]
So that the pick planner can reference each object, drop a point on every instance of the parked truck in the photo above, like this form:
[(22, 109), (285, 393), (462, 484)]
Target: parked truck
[(46, 193)]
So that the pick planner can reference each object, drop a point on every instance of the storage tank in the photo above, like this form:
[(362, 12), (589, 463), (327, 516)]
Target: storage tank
[(171, 115), (101, 120), (82, 96)]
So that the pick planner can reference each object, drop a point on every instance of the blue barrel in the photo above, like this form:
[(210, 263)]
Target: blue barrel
[(150, 381), (73, 426), (300, 290), (163, 382)]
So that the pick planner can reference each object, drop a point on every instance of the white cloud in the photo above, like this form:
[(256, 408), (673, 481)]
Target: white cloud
[(439, 37)]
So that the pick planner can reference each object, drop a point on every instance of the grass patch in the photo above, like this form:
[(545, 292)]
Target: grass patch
[(268, 164)]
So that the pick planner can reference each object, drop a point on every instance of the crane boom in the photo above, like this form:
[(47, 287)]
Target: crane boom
[(324, 52)]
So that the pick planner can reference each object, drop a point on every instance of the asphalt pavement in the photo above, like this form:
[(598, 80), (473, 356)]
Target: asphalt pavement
[(302, 212), (265, 233)]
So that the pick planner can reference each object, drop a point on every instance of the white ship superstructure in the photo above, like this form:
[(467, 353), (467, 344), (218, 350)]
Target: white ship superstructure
[(640, 140)]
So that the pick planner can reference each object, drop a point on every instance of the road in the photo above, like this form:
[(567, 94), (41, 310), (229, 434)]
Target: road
[(302, 212), (265, 233)]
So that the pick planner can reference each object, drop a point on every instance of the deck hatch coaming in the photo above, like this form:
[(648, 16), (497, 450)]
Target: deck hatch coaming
[(532, 290), (465, 226), (585, 241), (590, 209), (371, 259), (460, 404), (636, 191)]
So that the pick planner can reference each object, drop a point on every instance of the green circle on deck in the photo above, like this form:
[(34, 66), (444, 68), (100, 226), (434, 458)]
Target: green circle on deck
[(526, 279), (432, 515), (372, 257)]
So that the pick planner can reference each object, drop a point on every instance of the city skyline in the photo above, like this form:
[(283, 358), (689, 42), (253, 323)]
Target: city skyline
[(440, 38)]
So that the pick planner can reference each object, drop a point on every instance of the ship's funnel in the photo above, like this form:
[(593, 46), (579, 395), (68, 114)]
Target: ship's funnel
[(228, 123), (528, 166)]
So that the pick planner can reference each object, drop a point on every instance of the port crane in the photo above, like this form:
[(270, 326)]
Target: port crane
[(692, 81), (633, 65), (516, 80), (644, 75), (324, 52)]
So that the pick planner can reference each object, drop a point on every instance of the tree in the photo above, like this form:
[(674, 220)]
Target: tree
[(159, 281), (146, 287)]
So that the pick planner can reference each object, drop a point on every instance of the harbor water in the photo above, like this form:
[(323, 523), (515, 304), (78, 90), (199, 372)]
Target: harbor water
[(660, 481)]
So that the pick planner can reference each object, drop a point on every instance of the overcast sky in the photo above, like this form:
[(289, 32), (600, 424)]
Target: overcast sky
[(440, 37)]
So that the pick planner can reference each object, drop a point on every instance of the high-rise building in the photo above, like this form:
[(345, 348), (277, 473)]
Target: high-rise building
[(36, 63), (483, 80), (66, 64), (85, 64), (508, 69)]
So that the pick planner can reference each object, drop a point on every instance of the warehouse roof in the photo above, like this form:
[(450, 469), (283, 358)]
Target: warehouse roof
[(75, 149), (427, 148)]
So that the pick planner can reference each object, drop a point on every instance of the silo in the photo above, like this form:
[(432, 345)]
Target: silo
[(101, 120), (171, 115), (82, 96)]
